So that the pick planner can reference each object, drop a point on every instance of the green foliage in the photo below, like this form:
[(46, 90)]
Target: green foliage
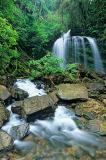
[(8, 42), (46, 66), (72, 70), (31, 26), (49, 66), (36, 22), (47, 28)]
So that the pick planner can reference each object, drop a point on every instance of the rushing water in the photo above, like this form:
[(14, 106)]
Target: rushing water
[(75, 50), (60, 129)]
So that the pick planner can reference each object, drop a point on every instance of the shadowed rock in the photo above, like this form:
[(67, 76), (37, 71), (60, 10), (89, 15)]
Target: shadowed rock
[(4, 114), (37, 105), (20, 131), (18, 94), (6, 142)]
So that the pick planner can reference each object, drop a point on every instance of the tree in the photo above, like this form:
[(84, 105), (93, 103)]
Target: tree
[(8, 42)]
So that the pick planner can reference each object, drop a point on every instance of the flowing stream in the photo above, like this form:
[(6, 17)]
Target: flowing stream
[(58, 129), (79, 49)]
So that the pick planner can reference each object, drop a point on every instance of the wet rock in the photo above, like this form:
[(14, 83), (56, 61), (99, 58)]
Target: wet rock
[(90, 109), (105, 82), (39, 84), (97, 126), (35, 105), (89, 115), (4, 114), (7, 80), (72, 92), (16, 107), (104, 101), (4, 93), (53, 96), (18, 94), (103, 116), (81, 122), (103, 96), (6, 157), (3, 80), (20, 131), (96, 89), (6, 142), (95, 86)]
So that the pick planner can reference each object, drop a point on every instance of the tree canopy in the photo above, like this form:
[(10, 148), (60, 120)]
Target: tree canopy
[(31, 27)]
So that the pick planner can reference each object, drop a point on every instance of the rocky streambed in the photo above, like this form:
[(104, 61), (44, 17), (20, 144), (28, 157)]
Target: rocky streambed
[(67, 122)]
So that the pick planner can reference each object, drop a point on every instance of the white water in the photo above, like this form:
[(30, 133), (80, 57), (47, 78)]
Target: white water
[(63, 129), (60, 47), (29, 87), (15, 119), (60, 128), (72, 49), (96, 55)]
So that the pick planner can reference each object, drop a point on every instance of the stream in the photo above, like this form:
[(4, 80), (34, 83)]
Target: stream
[(60, 130)]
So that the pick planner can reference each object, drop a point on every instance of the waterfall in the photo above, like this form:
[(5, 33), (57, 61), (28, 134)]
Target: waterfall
[(96, 55), (60, 47), (76, 49)]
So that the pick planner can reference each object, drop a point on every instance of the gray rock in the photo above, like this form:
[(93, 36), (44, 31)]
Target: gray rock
[(35, 104), (16, 107), (18, 94), (104, 101), (6, 142), (72, 92), (4, 114), (95, 86), (20, 131), (4, 93), (97, 126), (90, 109)]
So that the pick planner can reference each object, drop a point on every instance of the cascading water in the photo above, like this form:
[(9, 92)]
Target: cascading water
[(96, 55), (60, 129), (15, 119), (60, 47), (63, 129), (75, 50)]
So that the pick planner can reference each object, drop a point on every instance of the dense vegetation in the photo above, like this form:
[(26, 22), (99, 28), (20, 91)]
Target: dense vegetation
[(29, 28)]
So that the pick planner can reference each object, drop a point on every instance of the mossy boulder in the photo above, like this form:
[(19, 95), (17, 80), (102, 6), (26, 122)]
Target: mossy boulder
[(4, 114), (6, 142), (90, 109), (72, 92), (4, 93)]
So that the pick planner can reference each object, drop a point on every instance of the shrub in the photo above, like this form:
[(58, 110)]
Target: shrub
[(46, 66), (50, 65)]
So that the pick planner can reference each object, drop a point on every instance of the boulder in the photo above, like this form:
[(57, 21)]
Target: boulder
[(36, 104), (105, 82), (4, 114), (20, 131), (18, 94), (72, 92), (97, 126), (104, 101), (16, 107), (96, 86), (90, 109), (4, 93), (7, 80), (6, 142)]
